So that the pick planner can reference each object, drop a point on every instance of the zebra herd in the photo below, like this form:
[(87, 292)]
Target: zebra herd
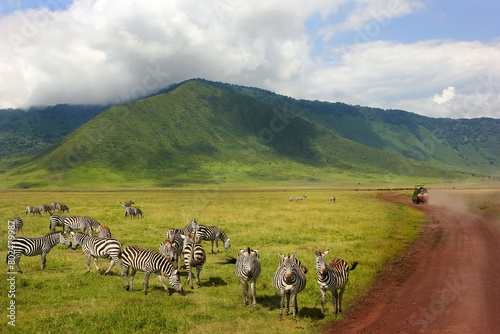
[(303, 197), (289, 278)]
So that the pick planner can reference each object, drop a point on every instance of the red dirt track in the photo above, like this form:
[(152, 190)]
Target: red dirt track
[(448, 282)]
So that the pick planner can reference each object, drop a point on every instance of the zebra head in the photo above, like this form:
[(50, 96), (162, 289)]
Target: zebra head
[(227, 245), (321, 262), (77, 239), (63, 239), (288, 263), (174, 279)]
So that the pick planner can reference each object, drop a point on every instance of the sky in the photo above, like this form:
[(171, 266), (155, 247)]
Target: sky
[(430, 57)]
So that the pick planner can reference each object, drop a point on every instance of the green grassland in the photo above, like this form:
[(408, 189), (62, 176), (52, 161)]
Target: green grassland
[(64, 299)]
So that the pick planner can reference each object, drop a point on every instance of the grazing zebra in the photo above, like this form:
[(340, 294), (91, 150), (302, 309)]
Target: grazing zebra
[(17, 224), (133, 212), (32, 209), (127, 204), (301, 198), (77, 223), (212, 233), (103, 232), (291, 199), (289, 279), (62, 207), (247, 268), (194, 256), (46, 208), (332, 278), (150, 261), (95, 225), (137, 211), (56, 220), (98, 248), (34, 246), (333, 199)]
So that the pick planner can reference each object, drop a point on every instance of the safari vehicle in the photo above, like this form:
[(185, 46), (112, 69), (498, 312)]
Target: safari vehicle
[(420, 195)]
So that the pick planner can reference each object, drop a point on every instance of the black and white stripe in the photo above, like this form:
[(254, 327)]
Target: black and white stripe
[(46, 208), (127, 204), (17, 223), (99, 248), (32, 209), (34, 246), (103, 232), (174, 235), (149, 261), (332, 278), (212, 233), (194, 256), (289, 280), (56, 220), (78, 223)]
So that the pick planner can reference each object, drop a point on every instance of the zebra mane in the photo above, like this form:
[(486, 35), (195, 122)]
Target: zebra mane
[(53, 233)]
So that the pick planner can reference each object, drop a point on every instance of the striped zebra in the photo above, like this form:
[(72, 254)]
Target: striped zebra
[(150, 261), (174, 235), (95, 225), (247, 268), (127, 204), (190, 227), (56, 220), (98, 248), (103, 232), (332, 278), (333, 199), (212, 233), (77, 223), (194, 256), (61, 207), (34, 246), (289, 279), (17, 225), (32, 209), (46, 208), (133, 212), (301, 198)]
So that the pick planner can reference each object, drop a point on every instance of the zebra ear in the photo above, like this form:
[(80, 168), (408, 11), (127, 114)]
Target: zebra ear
[(282, 256), (294, 254), (317, 253), (326, 252), (72, 233)]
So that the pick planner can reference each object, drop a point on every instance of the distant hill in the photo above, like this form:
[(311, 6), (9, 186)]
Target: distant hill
[(202, 132)]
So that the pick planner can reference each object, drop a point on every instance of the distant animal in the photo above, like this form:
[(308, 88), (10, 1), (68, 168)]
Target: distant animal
[(56, 220), (332, 278), (34, 246), (98, 248), (289, 280), (127, 204), (103, 232), (46, 208), (62, 207), (133, 212), (32, 209), (333, 199), (301, 198), (149, 261), (17, 224), (77, 223), (194, 257), (138, 212), (291, 199), (212, 233), (247, 268)]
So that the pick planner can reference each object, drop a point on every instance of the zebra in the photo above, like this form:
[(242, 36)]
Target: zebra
[(77, 223), (190, 227), (17, 225), (194, 256), (212, 233), (166, 249), (46, 208), (32, 209), (34, 246), (93, 223), (98, 248), (137, 211), (56, 220), (103, 232), (289, 279), (332, 278), (174, 236), (127, 204), (333, 199), (291, 199), (247, 268), (150, 261), (62, 207), (301, 198)]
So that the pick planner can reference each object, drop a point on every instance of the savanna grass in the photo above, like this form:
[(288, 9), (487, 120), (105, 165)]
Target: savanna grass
[(64, 299)]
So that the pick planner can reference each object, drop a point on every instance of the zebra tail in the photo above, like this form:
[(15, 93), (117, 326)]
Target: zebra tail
[(355, 263), (229, 260)]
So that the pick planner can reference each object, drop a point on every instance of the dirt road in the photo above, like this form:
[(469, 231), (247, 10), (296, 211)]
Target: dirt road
[(448, 282)]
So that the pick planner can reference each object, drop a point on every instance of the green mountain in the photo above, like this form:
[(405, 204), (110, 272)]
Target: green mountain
[(201, 132)]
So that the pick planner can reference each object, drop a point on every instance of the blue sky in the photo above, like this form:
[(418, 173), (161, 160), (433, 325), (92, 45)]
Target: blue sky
[(435, 58)]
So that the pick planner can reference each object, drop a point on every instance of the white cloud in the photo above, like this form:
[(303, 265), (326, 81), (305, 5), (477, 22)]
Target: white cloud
[(107, 51), (447, 95)]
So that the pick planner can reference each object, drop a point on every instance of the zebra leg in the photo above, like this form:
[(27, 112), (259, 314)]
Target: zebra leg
[(295, 307), (95, 264), (190, 279), (163, 282), (323, 293), (44, 259), (198, 270), (287, 302), (217, 244), (111, 264), (244, 284), (254, 296), (281, 305), (17, 259), (335, 296), (341, 293), (132, 279), (126, 272), (87, 255), (213, 246), (146, 281)]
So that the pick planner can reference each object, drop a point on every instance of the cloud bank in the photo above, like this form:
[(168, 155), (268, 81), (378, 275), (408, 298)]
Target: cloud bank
[(109, 52)]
